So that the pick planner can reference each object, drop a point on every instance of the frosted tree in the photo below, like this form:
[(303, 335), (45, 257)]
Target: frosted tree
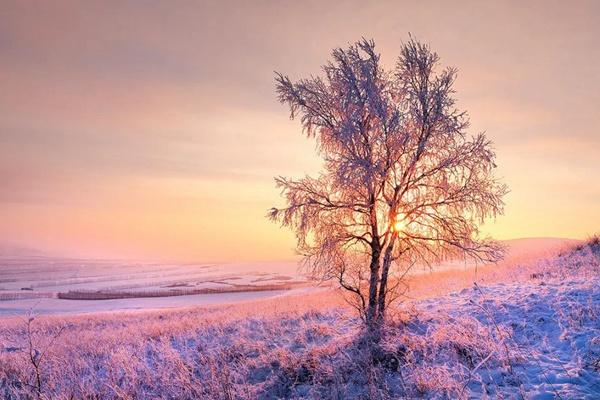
[(403, 183)]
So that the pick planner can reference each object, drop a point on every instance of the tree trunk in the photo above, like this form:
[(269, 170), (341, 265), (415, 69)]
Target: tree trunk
[(385, 270), (373, 280), (371, 313)]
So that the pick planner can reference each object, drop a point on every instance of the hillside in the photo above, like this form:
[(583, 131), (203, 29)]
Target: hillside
[(535, 337)]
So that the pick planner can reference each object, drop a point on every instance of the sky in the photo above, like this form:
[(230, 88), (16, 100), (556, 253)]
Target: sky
[(151, 130)]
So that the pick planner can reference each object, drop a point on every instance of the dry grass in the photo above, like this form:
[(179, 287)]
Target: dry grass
[(297, 346), (24, 294), (124, 294)]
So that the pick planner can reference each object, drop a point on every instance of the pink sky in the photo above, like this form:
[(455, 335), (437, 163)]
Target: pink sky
[(151, 130)]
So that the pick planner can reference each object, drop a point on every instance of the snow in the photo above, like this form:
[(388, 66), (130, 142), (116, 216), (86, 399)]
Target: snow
[(528, 331), (47, 276), (60, 306), (532, 340), (553, 336)]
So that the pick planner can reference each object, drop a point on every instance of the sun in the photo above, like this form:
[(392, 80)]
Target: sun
[(399, 223)]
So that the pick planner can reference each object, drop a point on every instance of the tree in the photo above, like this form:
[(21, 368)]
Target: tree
[(403, 183)]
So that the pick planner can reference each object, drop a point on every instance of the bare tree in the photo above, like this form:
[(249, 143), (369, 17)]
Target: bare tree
[(403, 182), (36, 352)]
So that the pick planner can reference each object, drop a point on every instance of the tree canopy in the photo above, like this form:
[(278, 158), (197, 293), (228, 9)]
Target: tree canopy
[(403, 181)]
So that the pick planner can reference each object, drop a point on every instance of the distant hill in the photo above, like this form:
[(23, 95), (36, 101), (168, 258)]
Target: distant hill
[(536, 247), (12, 250)]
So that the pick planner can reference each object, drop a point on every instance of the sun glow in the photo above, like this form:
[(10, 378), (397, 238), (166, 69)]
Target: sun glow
[(399, 223)]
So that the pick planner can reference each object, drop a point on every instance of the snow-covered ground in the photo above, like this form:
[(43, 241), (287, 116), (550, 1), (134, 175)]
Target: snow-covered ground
[(38, 282), (55, 274), (53, 306), (26, 280), (534, 340), (528, 331)]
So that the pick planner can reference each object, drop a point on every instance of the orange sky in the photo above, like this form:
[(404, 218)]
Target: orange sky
[(151, 130)]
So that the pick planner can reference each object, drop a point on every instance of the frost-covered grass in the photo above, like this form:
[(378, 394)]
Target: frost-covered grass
[(532, 332), (123, 294)]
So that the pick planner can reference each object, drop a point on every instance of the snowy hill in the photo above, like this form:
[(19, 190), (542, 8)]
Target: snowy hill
[(534, 334)]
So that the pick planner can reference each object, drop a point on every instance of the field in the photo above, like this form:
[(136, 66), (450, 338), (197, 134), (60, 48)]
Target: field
[(529, 328), (58, 286), (64, 284)]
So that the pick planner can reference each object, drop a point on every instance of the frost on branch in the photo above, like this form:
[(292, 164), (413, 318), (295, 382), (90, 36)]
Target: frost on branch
[(403, 181)]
